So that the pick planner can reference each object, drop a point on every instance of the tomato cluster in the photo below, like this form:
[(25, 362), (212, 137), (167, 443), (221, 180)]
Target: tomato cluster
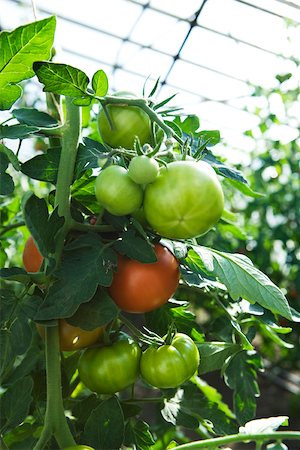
[(110, 369)]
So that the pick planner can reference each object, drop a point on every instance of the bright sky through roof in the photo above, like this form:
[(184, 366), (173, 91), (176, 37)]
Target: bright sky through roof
[(231, 45)]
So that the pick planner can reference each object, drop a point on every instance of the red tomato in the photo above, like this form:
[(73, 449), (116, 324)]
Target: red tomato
[(138, 287), (32, 259)]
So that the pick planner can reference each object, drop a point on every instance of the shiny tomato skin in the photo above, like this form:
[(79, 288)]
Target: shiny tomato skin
[(169, 366), (74, 338), (185, 201), (112, 368), (138, 287), (117, 192), (143, 170), (128, 122), (32, 259)]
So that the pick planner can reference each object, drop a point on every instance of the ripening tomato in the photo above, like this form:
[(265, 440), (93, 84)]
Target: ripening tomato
[(74, 338), (32, 259), (139, 287), (111, 368), (127, 122), (143, 170), (169, 366), (117, 192), (185, 201)]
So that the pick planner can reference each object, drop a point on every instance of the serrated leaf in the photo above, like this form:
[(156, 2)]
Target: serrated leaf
[(31, 116), (18, 51), (6, 184), (86, 263), (100, 83), (240, 375), (134, 247), (62, 79), (104, 428), (43, 167), (16, 401), (138, 433), (88, 155), (214, 354), (244, 280), (264, 425), (96, 313), (12, 158), (16, 131)]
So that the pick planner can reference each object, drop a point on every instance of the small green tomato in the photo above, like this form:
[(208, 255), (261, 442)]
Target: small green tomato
[(143, 170)]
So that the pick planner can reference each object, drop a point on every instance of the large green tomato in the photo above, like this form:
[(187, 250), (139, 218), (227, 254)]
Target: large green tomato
[(127, 122), (117, 192), (169, 366), (185, 201), (112, 368)]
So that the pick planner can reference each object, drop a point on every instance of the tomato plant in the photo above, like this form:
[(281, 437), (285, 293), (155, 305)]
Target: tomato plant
[(139, 287), (143, 170), (73, 338), (185, 201), (32, 259), (120, 223), (117, 192), (121, 124), (170, 365), (111, 368), (79, 447)]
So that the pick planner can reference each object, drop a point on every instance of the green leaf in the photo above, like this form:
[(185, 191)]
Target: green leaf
[(104, 428), (18, 51), (88, 155), (86, 263), (100, 83), (16, 131), (209, 137), (27, 365), (15, 402), (138, 434), (135, 247), (6, 184), (214, 354), (244, 280), (277, 446), (212, 395), (15, 274), (97, 312), (31, 116), (244, 188), (62, 79), (268, 425), (43, 167), (240, 375), (189, 125), (42, 226), (12, 158)]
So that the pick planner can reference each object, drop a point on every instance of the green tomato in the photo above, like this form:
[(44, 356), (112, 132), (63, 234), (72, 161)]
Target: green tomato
[(185, 201), (117, 192), (112, 368), (127, 122), (169, 366), (143, 170)]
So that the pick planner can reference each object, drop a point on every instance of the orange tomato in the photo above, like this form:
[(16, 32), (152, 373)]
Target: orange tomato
[(32, 259)]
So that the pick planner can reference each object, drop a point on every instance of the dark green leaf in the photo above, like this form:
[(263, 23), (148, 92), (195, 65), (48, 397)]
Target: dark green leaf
[(31, 116), (86, 263), (222, 169), (88, 155), (214, 354), (12, 158), (283, 78), (6, 184), (62, 79), (26, 365), (19, 49), (135, 247), (210, 137), (7, 355), (189, 125), (240, 375), (97, 312), (100, 83), (138, 434), (16, 131), (104, 428), (43, 167), (16, 401), (15, 274), (244, 280)]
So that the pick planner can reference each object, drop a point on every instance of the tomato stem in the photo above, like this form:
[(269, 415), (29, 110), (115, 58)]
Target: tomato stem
[(260, 437)]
